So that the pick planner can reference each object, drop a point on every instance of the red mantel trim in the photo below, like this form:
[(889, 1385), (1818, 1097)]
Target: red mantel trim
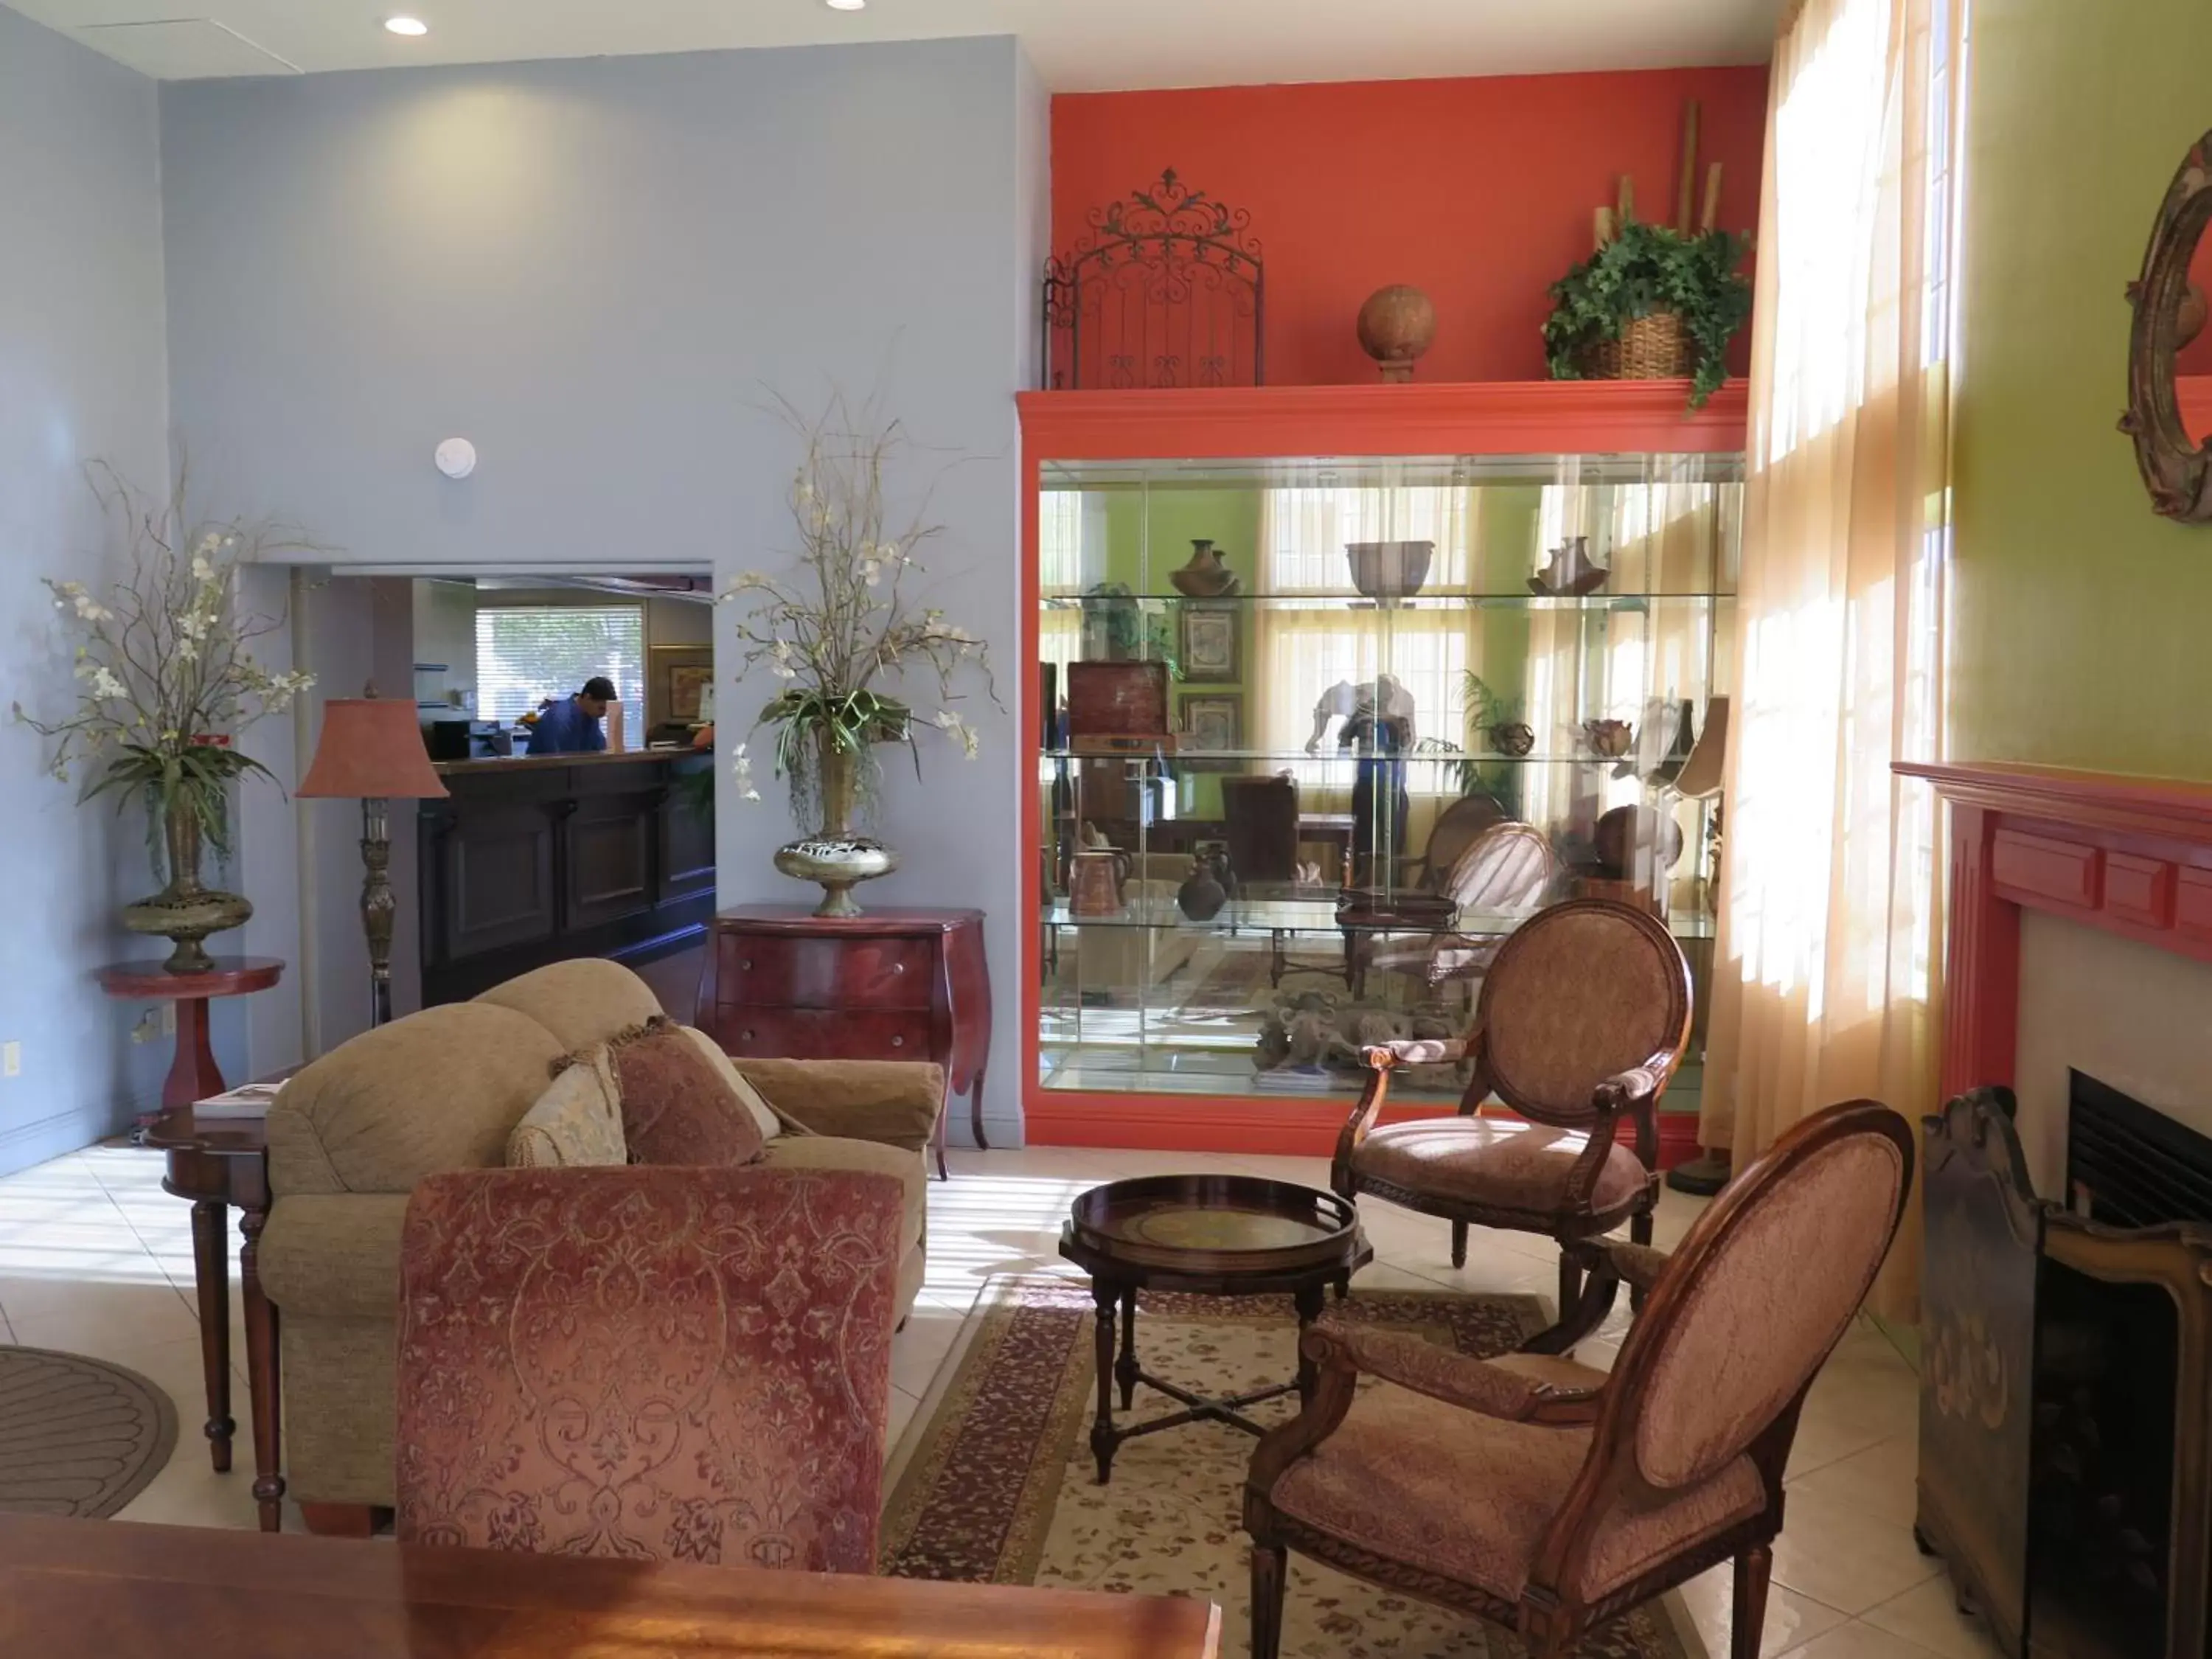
[(2155, 806), (2127, 855), (1499, 417)]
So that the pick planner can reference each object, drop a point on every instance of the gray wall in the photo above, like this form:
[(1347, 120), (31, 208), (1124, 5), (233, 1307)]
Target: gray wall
[(80, 376), (598, 272)]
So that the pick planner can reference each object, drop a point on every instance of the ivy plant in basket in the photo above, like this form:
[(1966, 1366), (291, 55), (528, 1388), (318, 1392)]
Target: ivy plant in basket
[(1647, 271)]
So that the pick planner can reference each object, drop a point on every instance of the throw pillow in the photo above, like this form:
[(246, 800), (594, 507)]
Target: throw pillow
[(738, 1084), (675, 1107), (574, 1123)]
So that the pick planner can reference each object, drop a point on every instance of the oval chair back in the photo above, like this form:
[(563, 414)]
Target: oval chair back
[(1580, 993)]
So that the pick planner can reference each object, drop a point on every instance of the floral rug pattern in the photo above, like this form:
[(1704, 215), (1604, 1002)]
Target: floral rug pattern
[(994, 1481)]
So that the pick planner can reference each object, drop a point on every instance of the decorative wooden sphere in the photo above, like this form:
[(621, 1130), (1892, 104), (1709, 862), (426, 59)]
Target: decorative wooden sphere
[(1395, 326)]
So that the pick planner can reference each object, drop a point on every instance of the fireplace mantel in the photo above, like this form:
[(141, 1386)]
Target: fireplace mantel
[(2129, 855)]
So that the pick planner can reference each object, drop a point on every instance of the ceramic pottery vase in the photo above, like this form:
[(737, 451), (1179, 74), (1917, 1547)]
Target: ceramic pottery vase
[(1395, 326), (1094, 884), (185, 911), (1610, 739), (1514, 738), (1201, 895), (1388, 571), (1205, 577), (1571, 573)]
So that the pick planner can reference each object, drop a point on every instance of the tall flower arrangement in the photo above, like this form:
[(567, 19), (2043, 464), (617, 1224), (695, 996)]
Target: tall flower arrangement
[(844, 625), (164, 668)]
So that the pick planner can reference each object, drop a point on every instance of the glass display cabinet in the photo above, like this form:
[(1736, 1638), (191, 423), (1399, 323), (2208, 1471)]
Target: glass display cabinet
[(1314, 732)]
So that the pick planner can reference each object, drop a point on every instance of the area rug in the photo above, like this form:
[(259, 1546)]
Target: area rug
[(994, 1483), (78, 1437)]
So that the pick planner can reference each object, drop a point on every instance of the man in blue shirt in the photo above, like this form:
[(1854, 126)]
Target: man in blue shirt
[(571, 725)]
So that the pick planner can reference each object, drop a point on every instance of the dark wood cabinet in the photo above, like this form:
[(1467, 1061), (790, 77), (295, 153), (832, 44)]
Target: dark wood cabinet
[(537, 859), (781, 984)]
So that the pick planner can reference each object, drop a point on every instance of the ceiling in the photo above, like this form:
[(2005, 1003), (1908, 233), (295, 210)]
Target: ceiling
[(1078, 45)]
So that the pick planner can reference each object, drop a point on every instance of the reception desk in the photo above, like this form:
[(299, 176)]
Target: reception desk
[(537, 859)]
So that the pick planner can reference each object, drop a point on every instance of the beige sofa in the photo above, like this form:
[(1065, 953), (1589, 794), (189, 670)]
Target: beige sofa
[(351, 1135)]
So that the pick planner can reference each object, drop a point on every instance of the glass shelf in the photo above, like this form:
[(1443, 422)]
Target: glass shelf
[(1168, 756), (1427, 599), (1318, 915)]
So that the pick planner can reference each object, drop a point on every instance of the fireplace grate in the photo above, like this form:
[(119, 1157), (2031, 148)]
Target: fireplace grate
[(2129, 1166)]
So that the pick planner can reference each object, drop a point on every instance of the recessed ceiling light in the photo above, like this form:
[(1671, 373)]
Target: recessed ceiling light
[(407, 25), (845, 5)]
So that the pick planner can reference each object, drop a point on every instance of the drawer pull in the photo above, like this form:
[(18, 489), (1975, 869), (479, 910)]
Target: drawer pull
[(898, 967), (746, 964), (898, 1043), (745, 1036)]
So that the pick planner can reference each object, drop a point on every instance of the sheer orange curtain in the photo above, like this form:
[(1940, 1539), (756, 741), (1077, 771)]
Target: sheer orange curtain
[(1828, 977)]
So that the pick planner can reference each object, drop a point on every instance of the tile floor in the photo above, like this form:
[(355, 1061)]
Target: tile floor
[(94, 1258)]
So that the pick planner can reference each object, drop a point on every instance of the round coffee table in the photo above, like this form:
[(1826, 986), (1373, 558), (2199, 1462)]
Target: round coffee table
[(1210, 1235)]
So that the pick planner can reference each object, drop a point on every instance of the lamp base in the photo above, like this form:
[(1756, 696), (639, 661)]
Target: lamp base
[(1702, 1175)]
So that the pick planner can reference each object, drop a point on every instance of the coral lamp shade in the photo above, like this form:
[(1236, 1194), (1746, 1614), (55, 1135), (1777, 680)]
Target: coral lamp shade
[(370, 747)]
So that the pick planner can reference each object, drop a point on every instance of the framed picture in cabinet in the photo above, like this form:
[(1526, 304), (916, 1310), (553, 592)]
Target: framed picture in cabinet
[(1209, 641), (1212, 726)]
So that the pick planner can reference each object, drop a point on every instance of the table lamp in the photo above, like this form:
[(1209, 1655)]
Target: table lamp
[(371, 750)]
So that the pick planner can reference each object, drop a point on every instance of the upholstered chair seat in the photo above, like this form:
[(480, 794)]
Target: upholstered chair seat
[(1550, 1499), (1469, 1497), (1500, 1164), (1583, 1018)]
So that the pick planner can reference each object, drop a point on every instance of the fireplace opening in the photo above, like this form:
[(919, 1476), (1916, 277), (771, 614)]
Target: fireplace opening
[(2106, 1458)]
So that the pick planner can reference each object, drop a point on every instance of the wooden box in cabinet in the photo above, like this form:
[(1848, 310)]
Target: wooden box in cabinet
[(783, 984)]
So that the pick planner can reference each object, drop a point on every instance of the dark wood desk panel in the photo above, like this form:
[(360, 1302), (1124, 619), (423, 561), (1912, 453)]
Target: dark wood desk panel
[(127, 1591), (540, 859)]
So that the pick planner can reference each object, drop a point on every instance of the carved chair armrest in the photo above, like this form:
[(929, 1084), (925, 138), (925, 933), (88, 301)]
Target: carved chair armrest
[(1423, 1051), (1457, 1379), (1638, 1088)]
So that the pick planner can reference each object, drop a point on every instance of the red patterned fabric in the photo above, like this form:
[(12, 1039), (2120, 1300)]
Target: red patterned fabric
[(658, 1364), (675, 1108)]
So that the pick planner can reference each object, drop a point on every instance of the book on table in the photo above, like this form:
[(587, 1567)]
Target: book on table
[(248, 1100)]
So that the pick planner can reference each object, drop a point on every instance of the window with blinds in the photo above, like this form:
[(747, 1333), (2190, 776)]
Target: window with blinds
[(527, 653)]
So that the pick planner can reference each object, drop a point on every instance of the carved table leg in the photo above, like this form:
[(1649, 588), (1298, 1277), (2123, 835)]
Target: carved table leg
[(211, 1280), (262, 1376), (1308, 1299), (193, 1074), (1104, 1294), (975, 1111), (1126, 1372), (937, 1132)]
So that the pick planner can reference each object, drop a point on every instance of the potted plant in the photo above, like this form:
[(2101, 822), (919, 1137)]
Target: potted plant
[(841, 626), (169, 680), (1651, 303)]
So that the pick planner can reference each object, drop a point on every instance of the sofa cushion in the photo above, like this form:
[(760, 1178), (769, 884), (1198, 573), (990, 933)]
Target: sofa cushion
[(675, 1109), (869, 1157), (581, 1002), (771, 1126), (435, 1091), (576, 1122)]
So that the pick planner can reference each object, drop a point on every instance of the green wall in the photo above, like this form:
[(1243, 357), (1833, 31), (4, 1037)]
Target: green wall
[(2083, 624)]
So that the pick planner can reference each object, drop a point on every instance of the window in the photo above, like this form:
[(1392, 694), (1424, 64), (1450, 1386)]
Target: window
[(527, 653)]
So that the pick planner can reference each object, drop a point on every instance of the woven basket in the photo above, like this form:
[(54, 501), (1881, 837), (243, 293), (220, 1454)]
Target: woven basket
[(1653, 348)]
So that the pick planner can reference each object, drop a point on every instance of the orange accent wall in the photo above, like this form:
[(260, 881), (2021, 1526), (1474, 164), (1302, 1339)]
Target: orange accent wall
[(1479, 192)]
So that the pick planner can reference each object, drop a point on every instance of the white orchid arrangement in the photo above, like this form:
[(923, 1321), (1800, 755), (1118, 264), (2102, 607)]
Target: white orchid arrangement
[(847, 621), (165, 662)]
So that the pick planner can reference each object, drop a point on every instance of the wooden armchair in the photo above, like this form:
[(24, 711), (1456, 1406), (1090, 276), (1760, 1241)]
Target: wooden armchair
[(1492, 1488), (1582, 1019)]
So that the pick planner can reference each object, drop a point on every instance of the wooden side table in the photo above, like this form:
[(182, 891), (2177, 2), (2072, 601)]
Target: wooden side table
[(222, 1163), (193, 1074), (783, 984)]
